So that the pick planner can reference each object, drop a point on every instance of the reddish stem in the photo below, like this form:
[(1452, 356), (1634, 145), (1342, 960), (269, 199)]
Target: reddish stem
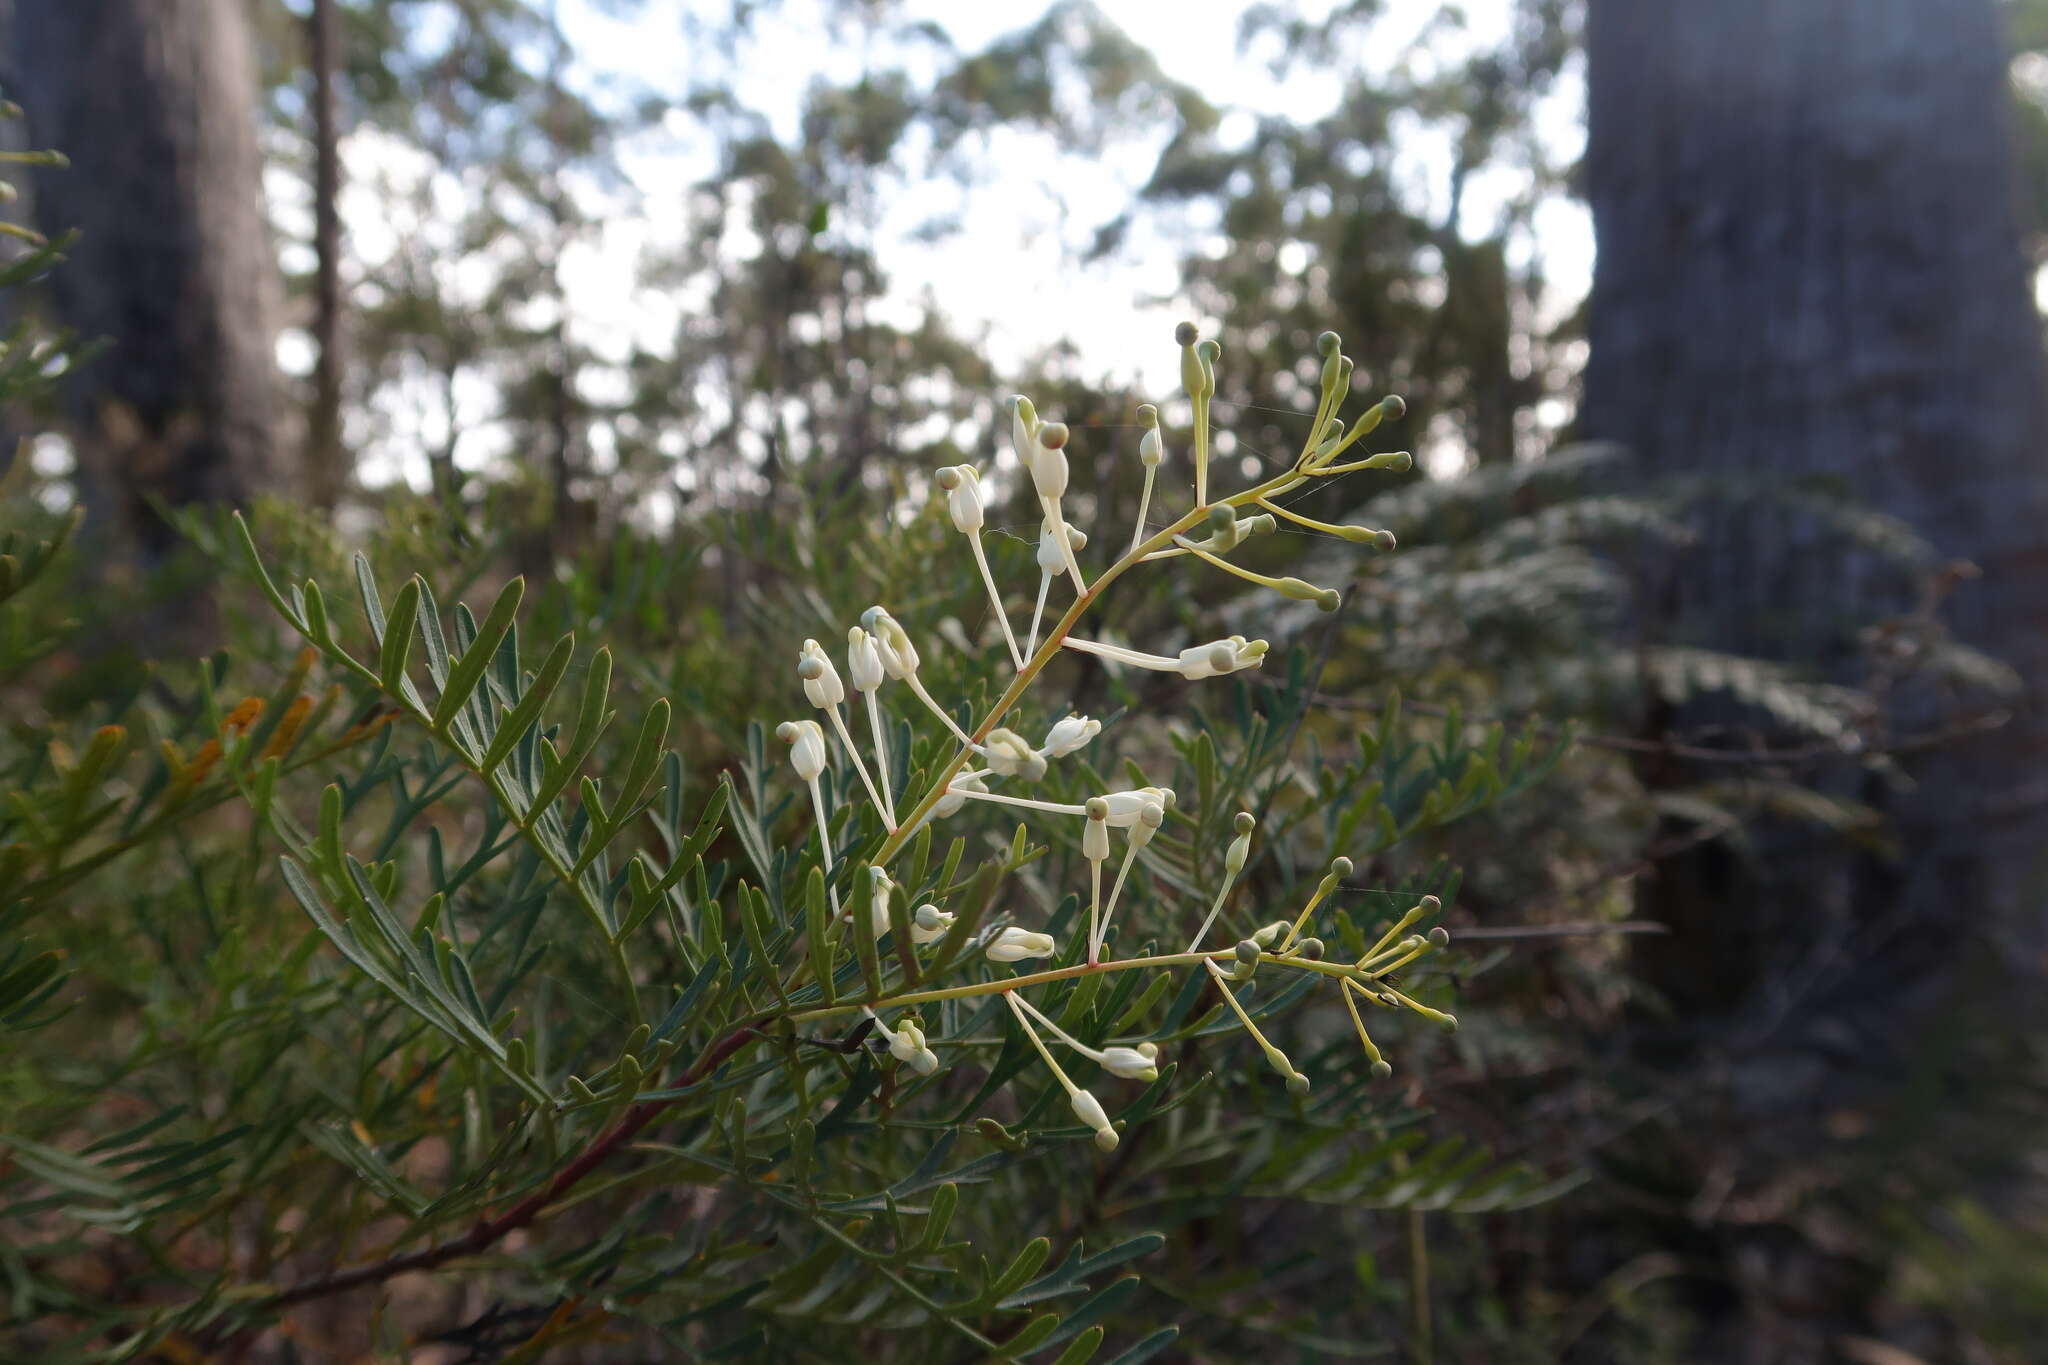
[(490, 1230)]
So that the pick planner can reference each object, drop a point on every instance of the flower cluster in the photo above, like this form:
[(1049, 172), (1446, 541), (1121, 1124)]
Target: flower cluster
[(995, 760)]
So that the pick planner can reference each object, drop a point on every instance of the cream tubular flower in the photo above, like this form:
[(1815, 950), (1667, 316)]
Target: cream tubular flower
[(962, 487), (1086, 1107), (929, 924), (1054, 543), (1070, 734), (957, 792), (864, 665), (907, 1045), (1014, 945), (864, 661), (1138, 1063), (1151, 814), (1220, 657), (878, 901), (899, 656), (807, 755), (1194, 663), (823, 686), (1095, 848), (1151, 450), (1009, 754), (821, 680), (806, 747), (1047, 463), (1123, 809)]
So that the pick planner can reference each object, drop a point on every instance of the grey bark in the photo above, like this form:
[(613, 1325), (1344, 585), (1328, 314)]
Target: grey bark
[(1809, 265), (327, 471), (154, 102)]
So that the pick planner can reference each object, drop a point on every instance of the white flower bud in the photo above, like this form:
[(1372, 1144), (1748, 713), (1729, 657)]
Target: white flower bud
[(1009, 755), (906, 1042), (1069, 734), (1095, 839), (891, 642), (1220, 657), (929, 924), (962, 485), (1050, 559), (1132, 1063), (1125, 808), (1241, 847), (1023, 428), (1151, 816), (954, 799), (806, 743), (820, 678), (1048, 462), (1089, 1110), (863, 660), (1151, 450), (878, 902), (907, 1045), (1014, 945)]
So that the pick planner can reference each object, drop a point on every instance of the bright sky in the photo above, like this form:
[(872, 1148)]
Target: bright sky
[(1119, 313)]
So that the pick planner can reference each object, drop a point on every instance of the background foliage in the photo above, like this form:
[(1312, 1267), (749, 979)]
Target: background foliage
[(336, 921)]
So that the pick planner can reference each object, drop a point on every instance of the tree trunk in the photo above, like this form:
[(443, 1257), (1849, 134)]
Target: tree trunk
[(1809, 266), (154, 102), (327, 467)]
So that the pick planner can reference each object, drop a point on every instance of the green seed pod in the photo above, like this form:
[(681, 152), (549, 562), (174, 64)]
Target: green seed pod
[(1333, 368), (1302, 591)]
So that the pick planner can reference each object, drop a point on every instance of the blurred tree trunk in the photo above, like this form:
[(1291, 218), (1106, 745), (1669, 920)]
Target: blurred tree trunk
[(1810, 266), (327, 469), (154, 101)]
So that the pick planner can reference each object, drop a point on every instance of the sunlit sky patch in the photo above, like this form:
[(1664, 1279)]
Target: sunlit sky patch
[(1012, 277)]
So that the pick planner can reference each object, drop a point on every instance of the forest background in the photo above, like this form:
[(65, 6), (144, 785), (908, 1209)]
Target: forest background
[(1719, 338)]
